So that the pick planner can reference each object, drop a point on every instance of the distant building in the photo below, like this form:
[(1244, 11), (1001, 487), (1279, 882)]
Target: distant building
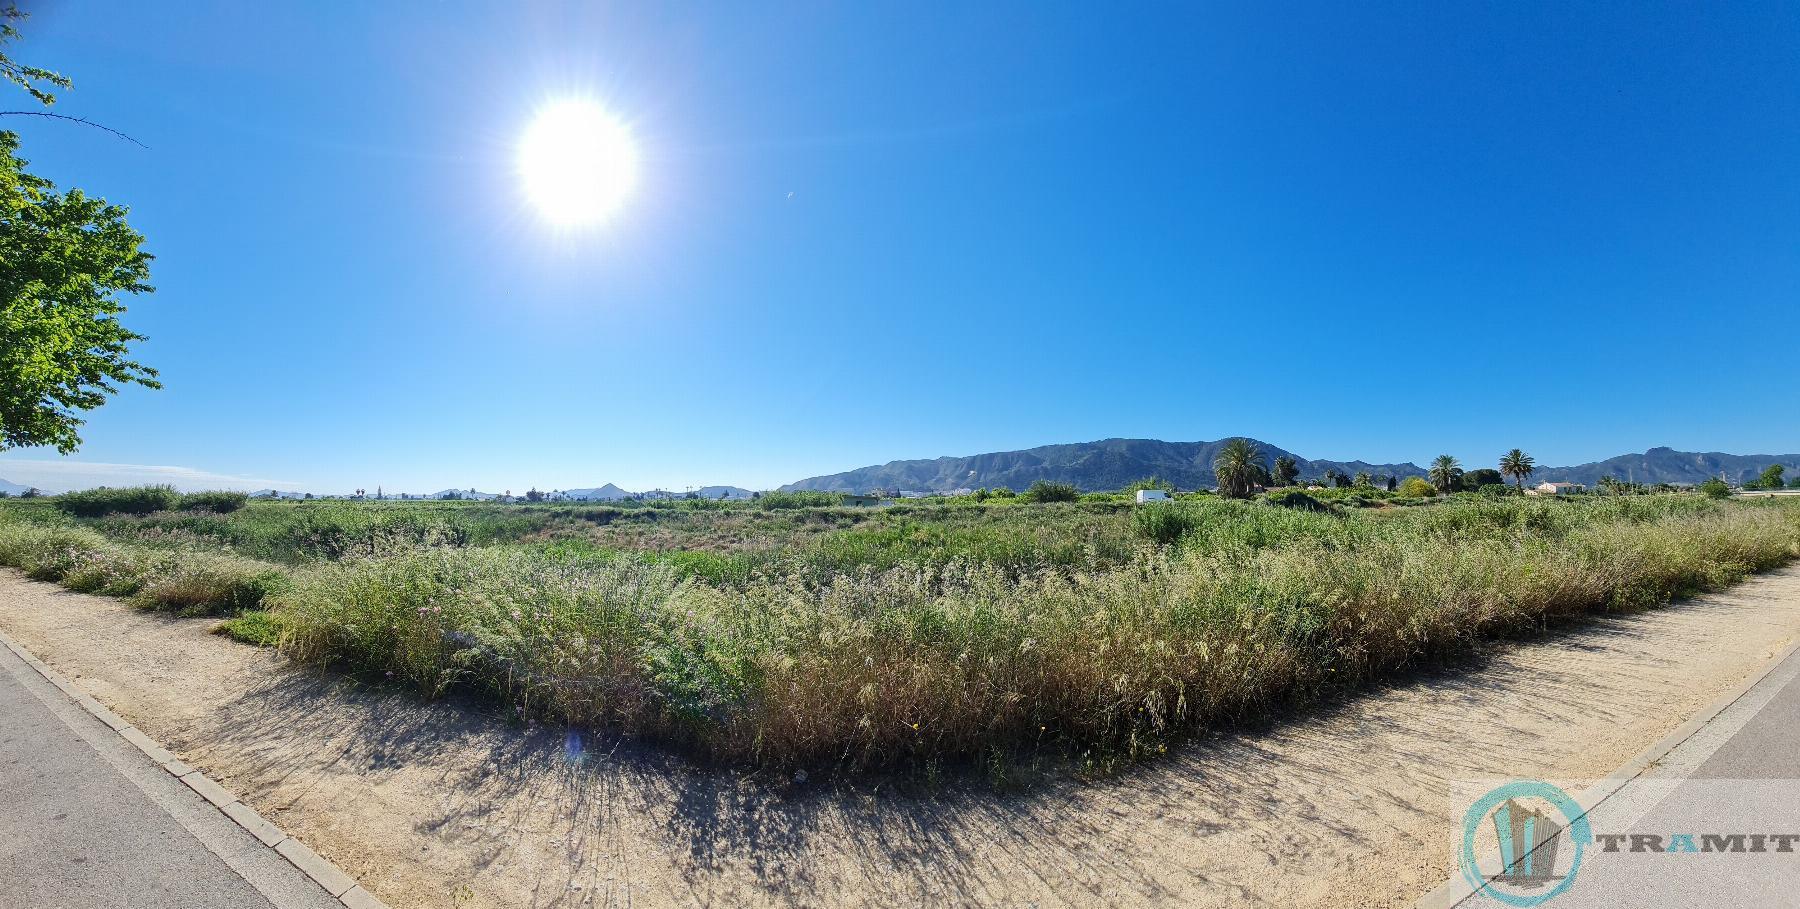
[(1555, 489), (857, 501), (1151, 495)]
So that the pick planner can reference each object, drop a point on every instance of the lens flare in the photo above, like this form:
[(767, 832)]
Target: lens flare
[(578, 163)]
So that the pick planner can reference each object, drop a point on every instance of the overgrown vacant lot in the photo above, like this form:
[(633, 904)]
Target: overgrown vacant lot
[(829, 637)]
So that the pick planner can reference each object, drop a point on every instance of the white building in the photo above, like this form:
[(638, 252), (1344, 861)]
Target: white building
[(1151, 495), (1555, 489)]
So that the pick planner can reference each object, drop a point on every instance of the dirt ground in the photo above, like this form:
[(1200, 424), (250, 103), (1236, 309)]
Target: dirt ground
[(444, 805)]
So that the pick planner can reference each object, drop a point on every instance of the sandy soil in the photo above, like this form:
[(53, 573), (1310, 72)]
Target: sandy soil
[(442, 805)]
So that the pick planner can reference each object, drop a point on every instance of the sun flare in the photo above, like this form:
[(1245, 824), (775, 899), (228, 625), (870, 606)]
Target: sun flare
[(578, 163)]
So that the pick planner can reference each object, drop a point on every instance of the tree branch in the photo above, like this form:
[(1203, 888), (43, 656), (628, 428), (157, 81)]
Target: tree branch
[(82, 120)]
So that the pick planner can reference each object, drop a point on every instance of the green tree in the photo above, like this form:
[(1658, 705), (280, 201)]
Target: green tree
[(1481, 476), (1285, 471), (1446, 473), (30, 78), (62, 349), (1046, 491), (1715, 488), (64, 261), (1771, 477), (1365, 480), (1417, 488), (1237, 467), (1518, 465)]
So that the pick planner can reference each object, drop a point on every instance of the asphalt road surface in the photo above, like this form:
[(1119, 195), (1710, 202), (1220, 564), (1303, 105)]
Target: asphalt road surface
[(1714, 822), (89, 822)]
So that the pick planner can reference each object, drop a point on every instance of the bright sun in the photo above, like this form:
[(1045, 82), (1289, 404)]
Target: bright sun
[(578, 163)]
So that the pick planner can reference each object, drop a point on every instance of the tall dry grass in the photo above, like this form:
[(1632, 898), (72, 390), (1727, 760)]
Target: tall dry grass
[(189, 581), (1251, 608)]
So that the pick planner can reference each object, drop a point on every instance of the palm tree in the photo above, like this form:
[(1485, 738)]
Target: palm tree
[(1286, 470), (1237, 467), (1445, 472), (1518, 465)]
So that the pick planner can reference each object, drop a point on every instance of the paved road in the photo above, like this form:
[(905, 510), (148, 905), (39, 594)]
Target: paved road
[(89, 822), (1714, 822)]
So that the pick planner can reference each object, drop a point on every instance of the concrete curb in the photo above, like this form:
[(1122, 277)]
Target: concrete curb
[(328, 876), (1456, 891)]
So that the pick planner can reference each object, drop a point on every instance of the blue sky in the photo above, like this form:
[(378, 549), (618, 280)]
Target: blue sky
[(864, 232)]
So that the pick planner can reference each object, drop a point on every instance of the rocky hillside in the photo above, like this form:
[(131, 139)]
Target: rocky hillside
[(1106, 464)]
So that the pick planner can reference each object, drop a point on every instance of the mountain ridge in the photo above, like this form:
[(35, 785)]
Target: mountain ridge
[(1108, 464), (1666, 465), (1091, 466)]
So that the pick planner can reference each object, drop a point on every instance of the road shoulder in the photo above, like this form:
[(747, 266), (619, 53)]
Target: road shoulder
[(120, 813)]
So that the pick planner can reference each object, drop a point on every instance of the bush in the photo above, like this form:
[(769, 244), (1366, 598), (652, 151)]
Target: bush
[(1164, 522), (48, 553), (201, 583), (258, 626), (217, 501), (1297, 498), (1715, 488), (1046, 491), (94, 503), (1417, 488)]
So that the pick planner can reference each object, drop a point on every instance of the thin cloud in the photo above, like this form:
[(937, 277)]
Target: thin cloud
[(61, 476)]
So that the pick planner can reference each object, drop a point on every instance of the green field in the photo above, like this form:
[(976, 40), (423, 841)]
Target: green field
[(788, 633)]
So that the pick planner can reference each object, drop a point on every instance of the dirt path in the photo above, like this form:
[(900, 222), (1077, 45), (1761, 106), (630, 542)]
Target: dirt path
[(1346, 806)]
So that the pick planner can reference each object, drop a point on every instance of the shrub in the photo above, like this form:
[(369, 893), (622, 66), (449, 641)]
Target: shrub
[(94, 503), (48, 553), (1417, 488), (1297, 498), (1164, 522), (216, 501), (202, 583), (1046, 491), (257, 626), (1715, 488)]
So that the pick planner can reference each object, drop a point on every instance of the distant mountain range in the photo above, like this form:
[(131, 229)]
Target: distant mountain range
[(609, 492), (606, 493), (1115, 463), (1106, 464), (1666, 465)]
